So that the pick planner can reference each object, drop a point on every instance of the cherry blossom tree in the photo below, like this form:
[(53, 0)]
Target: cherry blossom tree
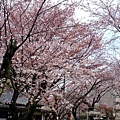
[(115, 68), (41, 44), (81, 84), (87, 86), (96, 95), (80, 91)]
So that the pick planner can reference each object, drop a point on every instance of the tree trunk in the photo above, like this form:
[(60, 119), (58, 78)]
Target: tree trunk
[(13, 107), (91, 109), (5, 70), (14, 112), (74, 113), (6, 65), (29, 114)]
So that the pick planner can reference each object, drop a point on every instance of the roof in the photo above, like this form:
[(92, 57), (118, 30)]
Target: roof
[(6, 98), (22, 100)]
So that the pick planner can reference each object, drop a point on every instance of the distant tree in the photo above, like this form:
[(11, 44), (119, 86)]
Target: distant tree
[(80, 88)]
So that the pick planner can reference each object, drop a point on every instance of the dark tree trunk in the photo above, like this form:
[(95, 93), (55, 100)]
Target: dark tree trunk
[(54, 116), (13, 107), (91, 109), (29, 113), (74, 113), (6, 65), (14, 112)]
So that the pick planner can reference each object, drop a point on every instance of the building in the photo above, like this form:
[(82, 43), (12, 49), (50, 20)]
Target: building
[(40, 113)]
